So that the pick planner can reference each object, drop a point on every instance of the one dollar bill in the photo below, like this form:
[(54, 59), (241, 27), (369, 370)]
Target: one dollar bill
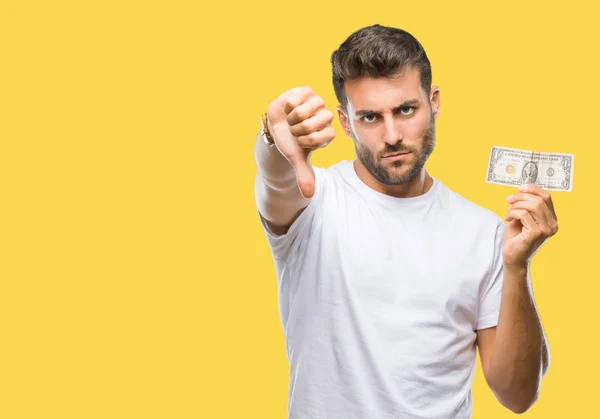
[(514, 167)]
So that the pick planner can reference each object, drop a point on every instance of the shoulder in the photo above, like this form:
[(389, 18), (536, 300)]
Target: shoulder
[(286, 242), (330, 179)]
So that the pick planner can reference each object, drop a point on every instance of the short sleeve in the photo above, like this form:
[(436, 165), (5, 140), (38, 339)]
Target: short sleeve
[(491, 290), (284, 247)]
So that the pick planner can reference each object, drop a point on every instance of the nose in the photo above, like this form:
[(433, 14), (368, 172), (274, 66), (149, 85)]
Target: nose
[(393, 130)]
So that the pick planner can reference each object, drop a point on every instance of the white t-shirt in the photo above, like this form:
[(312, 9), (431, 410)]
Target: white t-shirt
[(380, 298)]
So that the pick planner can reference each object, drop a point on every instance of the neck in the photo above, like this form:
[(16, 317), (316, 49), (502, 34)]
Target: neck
[(418, 185)]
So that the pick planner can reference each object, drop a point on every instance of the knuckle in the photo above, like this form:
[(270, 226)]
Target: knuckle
[(326, 141), (291, 103), (290, 118), (329, 116), (300, 90), (310, 139), (297, 131), (294, 99), (319, 101), (302, 94), (306, 125), (331, 133), (323, 119), (296, 116), (315, 140)]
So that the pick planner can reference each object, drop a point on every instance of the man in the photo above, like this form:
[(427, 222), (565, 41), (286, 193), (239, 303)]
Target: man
[(388, 281)]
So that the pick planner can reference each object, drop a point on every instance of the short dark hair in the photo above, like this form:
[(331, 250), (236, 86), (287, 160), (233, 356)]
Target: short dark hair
[(377, 51)]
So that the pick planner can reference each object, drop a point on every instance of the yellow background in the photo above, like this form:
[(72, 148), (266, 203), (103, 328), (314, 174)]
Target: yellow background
[(135, 279)]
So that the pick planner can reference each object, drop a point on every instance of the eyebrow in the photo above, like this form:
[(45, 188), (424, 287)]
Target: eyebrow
[(411, 102)]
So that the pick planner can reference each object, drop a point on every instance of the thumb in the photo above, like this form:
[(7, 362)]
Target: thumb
[(305, 174)]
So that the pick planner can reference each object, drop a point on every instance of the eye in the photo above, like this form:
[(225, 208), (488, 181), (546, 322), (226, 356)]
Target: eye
[(369, 118), (406, 110)]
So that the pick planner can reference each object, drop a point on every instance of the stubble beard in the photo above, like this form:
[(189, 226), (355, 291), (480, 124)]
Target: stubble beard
[(382, 174)]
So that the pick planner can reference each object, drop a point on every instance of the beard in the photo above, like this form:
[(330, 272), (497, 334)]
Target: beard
[(411, 169)]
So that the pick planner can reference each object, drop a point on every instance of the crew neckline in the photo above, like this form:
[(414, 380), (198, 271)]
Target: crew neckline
[(353, 178)]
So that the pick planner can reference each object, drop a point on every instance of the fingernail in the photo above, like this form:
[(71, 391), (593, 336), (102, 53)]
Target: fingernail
[(508, 198), (523, 188)]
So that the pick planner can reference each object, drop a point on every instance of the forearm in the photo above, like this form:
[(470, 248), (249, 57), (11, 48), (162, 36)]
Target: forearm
[(276, 190), (520, 354)]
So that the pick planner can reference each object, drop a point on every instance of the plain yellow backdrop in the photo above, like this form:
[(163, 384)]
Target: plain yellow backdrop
[(135, 279)]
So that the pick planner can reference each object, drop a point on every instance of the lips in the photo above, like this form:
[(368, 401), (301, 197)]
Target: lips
[(396, 154)]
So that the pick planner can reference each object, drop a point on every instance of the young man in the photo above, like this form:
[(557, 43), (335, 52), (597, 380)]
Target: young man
[(388, 280)]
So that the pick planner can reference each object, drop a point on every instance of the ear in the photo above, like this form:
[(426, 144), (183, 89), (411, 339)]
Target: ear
[(344, 121), (434, 99)]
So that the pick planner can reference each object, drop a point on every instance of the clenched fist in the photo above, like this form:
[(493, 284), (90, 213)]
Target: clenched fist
[(300, 123)]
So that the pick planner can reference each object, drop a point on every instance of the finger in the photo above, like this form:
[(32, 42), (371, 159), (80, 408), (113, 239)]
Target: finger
[(305, 110), (305, 174), (531, 188), (530, 202), (542, 193), (317, 139), (312, 124), (523, 196), (526, 196), (525, 218), (297, 96), (540, 214)]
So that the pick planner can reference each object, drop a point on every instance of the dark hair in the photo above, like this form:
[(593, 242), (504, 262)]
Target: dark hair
[(377, 51)]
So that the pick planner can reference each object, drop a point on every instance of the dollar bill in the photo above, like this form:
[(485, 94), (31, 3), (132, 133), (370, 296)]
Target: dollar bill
[(514, 167)]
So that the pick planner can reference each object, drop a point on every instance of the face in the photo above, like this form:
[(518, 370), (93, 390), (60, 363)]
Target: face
[(392, 123)]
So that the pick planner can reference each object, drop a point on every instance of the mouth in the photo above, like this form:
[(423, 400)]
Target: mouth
[(396, 156)]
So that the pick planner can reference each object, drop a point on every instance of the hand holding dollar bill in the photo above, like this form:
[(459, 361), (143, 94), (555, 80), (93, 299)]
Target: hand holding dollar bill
[(514, 167)]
